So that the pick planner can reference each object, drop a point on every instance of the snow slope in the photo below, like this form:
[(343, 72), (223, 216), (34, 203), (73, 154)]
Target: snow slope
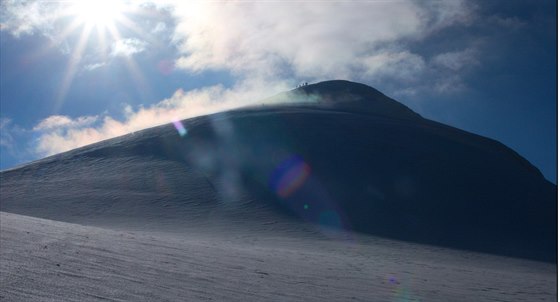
[(392, 174), (53, 261)]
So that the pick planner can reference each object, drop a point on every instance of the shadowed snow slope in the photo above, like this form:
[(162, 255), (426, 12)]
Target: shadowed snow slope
[(343, 156), (45, 260)]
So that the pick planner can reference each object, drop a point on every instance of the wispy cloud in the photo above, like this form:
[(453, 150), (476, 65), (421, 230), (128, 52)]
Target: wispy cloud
[(10, 133), (457, 60), (61, 133), (160, 27), (94, 66), (62, 121), (403, 65), (128, 47), (6, 139)]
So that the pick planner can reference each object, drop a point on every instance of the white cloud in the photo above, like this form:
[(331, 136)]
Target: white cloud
[(26, 17), (338, 40), (128, 47), (91, 67), (62, 121), (360, 41), (61, 133), (266, 46)]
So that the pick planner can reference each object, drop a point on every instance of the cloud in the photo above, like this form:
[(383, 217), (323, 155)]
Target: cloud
[(6, 139), (403, 65), (457, 60), (68, 31), (440, 14), (513, 23), (11, 136), (267, 47), (361, 41), (62, 121), (26, 17), (91, 67), (128, 47), (160, 27), (381, 43), (61, 133), (339, 40)]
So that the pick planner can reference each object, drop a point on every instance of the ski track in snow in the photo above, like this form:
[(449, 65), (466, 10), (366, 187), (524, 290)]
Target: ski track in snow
[(46, 260)]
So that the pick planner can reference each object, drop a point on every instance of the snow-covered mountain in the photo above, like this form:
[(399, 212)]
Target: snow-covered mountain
[(337, 154)]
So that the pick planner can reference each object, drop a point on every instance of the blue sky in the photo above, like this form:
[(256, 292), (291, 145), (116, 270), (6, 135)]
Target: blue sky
[(74, 73)]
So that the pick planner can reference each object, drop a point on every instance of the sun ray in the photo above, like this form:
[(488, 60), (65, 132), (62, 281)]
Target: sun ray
[(68, 30), (75, 59), (89, 15), (107, 18), (102, 39), (98, 13), (131, 65), (138, 77)]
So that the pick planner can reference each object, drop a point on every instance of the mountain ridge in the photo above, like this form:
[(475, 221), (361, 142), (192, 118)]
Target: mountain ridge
[(319, 96)]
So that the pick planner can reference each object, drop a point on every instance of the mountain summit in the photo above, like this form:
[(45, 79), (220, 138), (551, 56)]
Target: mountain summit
[(348, 96), (353, 161)]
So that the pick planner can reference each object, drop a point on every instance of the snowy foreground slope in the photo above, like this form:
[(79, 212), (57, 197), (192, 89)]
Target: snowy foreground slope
[(53, 261), (301, 192)]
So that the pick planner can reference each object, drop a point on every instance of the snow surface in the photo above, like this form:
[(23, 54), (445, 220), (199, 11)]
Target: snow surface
[(45, 260)]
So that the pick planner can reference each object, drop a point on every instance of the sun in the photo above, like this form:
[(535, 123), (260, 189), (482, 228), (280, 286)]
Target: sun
[(102, 14), (105, 18)]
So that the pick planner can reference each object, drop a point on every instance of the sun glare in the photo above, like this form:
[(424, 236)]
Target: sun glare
[(104, 17), (99, 13)]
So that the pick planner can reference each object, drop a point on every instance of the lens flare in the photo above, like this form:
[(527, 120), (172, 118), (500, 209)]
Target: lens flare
[(289, 176), (400, 293), (180, 128), (330, 218)]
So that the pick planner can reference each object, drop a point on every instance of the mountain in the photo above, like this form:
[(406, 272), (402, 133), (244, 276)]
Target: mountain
[(346, 96), (338, 154)]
